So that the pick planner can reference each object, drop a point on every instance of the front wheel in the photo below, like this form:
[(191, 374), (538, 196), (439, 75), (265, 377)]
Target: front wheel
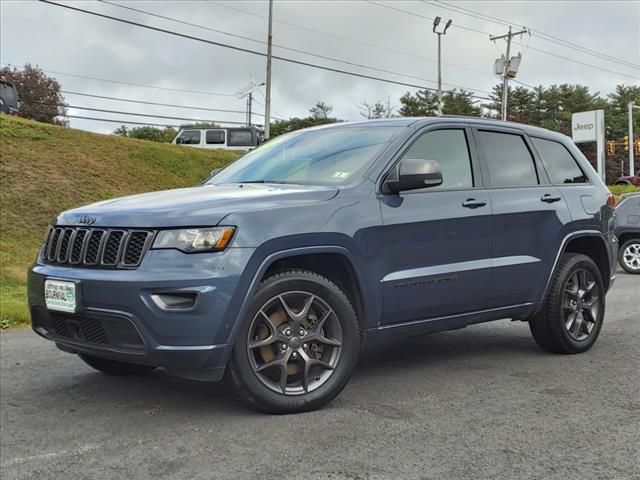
[(572, 316), (629, 256), (298, 344)]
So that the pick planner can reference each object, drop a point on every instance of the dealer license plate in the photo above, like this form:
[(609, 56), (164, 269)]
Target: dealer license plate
[(60, 295)]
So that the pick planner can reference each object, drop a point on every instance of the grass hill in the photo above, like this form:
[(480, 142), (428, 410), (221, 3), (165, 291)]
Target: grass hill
[(45, 169)]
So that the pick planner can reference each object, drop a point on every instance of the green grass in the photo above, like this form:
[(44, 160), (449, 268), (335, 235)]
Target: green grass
[(45, 169), (619, 190)]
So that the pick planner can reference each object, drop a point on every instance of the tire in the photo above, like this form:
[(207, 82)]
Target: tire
[(629, 256), (268, 368), (115, 368), (558, 328)]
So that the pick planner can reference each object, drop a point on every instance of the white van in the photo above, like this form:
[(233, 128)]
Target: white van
[(241, 138)]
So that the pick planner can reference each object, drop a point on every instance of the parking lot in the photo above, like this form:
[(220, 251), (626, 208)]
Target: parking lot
[(483, 402)]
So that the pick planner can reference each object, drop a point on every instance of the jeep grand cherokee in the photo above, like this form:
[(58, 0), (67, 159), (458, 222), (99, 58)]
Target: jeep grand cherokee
[(279, 268)]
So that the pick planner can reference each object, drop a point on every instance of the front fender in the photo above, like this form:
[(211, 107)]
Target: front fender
[(275, 250)]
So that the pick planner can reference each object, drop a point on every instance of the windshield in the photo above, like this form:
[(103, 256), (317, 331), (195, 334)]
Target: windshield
[(330, 156)]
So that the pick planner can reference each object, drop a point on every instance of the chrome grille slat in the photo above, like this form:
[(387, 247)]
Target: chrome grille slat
[(96, 247)]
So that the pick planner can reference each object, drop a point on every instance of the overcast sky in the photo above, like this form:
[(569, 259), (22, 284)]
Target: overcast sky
[(357, 31)]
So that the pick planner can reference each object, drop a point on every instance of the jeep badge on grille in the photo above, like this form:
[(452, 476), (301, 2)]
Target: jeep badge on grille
[(86, 220)]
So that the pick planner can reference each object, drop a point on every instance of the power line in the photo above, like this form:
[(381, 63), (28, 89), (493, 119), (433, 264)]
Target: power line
[(352, 40), (242, 49), (119, 82), (154, 103), (485, 33), (588, 51), (296, 50), (537, 33), (122, 122), (389, 7), (575, 61), (120, 112)]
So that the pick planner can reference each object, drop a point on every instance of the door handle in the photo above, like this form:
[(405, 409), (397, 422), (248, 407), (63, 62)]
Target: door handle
[(548, 198), (473, 203)]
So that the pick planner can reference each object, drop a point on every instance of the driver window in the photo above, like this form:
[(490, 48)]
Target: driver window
[(450, 149), (189, 137)]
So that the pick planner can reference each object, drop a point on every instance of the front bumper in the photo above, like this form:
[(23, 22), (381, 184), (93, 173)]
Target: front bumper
[(118, 318)]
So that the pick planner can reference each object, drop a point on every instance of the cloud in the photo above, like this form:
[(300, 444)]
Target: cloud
[(66, 41)]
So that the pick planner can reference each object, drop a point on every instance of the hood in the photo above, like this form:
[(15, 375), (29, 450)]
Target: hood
[(197, 206)]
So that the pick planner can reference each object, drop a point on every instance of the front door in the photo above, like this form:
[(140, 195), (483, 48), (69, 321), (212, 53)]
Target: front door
[(437, 241)]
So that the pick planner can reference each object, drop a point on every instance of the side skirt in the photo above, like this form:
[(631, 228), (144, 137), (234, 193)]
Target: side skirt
[(452, 322)]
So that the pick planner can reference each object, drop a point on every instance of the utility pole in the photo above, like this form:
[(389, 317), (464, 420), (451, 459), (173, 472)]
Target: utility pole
[(249, 105), (630, 107), (267, 103), (509, 63), (436, 22)]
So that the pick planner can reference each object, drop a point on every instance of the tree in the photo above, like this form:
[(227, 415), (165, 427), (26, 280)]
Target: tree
[(280, 127), (39, 95), (320, 110), (423, 104), (152, 134), (377, 110), (121, 131), (460, 103)]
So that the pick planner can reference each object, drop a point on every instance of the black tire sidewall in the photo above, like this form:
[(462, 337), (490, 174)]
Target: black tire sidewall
[(621, 252), (240, 365), (555, 311)]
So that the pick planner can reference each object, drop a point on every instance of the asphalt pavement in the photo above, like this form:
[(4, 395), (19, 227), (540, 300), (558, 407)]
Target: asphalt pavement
[(479, 403)]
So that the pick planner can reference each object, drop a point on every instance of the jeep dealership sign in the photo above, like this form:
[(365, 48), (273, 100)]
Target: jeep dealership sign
[(584, 125), (589, 127)]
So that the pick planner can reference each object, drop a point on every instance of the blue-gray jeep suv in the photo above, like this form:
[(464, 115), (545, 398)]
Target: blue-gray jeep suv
[(279, 268)]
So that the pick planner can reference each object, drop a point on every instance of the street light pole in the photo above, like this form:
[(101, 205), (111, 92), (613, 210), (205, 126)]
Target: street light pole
[(436, 22), (267, 103)]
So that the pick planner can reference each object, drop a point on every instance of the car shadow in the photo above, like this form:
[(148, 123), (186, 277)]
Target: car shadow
[(162, 393)]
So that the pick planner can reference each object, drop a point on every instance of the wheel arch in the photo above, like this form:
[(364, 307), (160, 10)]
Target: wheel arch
[(348, 278), (590, 243), (626, 235), (594, 247)]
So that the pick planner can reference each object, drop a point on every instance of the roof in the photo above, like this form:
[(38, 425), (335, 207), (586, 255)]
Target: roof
[(419, 121)]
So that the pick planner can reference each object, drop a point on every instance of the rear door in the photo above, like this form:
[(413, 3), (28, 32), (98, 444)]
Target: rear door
[(215, 138), (436, 241), (528, 216)]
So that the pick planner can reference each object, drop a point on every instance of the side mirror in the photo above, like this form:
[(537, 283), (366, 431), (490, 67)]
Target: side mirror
[(413, 174)]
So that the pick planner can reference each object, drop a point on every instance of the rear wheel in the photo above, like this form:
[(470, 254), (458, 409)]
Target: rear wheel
[(298, 345), (115, 368), (572, 316), (629, 256)]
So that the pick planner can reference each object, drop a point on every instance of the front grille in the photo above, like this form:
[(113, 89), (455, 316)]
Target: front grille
[(97, 247)]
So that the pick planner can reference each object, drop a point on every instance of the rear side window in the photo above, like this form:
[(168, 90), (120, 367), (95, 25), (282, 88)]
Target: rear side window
[(214, 137), (189, 137), (449, 148), (240, 138), (509, 160), (558, 162)]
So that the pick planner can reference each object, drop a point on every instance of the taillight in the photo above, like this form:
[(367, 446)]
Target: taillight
[(611, 201)]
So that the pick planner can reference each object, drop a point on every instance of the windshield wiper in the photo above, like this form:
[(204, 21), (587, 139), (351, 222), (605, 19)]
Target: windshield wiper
[(262, 181)]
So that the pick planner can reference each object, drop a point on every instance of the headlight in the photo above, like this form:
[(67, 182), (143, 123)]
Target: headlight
[(192, 240)]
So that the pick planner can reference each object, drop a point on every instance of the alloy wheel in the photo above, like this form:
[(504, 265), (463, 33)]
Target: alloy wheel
[(581, 304), (631, 256), (294, 343)]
